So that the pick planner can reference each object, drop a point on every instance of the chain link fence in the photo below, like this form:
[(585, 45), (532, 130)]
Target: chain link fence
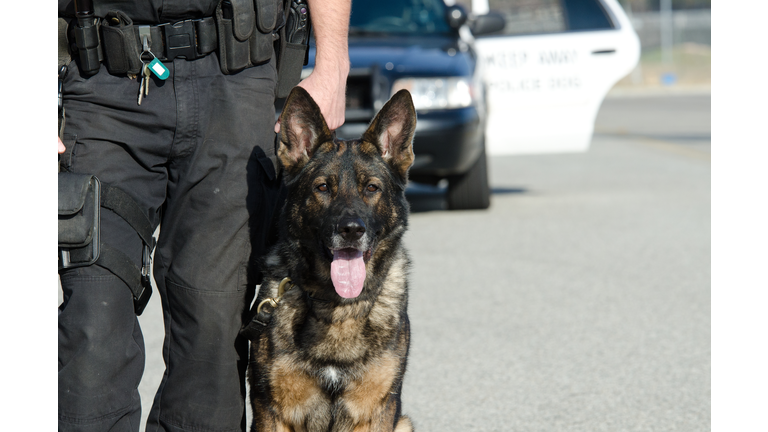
[(688, 61), (688, 27)]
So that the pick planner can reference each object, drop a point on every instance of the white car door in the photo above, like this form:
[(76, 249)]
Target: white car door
[(544, 89)]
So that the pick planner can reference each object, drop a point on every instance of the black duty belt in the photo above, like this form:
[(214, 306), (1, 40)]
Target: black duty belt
[(190, 39), (122, 41)]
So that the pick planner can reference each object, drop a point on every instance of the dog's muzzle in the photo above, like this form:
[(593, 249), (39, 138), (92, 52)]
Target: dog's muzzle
[(351, 247)]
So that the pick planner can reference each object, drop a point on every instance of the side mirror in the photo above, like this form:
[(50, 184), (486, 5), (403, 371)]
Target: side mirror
[(456, 16), (486, 24)]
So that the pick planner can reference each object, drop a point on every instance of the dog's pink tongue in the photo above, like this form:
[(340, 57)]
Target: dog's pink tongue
[(348, 272)]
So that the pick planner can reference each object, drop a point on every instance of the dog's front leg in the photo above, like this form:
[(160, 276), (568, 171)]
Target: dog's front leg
[(381, 417), (299, 403), (383, 424), (371, 413), (264, 420), (343, 420)]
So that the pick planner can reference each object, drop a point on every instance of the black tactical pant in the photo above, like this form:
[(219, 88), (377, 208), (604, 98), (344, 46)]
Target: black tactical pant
[(196, 156)]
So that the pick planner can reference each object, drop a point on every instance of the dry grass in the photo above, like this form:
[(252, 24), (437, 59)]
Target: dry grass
[(691, 64)]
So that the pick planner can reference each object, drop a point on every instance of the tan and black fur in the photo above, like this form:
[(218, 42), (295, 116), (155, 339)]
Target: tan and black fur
[(327, 363)]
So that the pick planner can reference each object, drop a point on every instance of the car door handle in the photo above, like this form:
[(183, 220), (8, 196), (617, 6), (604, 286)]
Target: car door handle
[(604, 51)]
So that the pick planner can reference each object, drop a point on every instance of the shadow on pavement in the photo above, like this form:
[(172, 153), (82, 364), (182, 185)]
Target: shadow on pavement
[(426, 198)]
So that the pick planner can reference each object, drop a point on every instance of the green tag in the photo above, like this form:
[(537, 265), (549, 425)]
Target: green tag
[(158, 68)]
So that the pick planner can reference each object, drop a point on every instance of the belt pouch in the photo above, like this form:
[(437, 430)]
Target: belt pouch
[(261, 46), (236, 22), (79, 206), (289, 68), (88, 45), (245, 30), (121, 49), (262, 42)]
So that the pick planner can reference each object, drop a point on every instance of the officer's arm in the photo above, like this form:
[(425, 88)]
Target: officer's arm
[(327, 83)]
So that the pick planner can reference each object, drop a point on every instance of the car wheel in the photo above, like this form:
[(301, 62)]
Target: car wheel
[(470, 191)]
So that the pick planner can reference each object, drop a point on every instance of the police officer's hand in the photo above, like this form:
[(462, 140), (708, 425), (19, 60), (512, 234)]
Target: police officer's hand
[(328, 91), (62, 149)]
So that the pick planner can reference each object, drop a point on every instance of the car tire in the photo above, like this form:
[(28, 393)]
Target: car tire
[(470, 191)]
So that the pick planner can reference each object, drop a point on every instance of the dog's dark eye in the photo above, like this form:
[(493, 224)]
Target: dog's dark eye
[(372, 188), (323, 188)]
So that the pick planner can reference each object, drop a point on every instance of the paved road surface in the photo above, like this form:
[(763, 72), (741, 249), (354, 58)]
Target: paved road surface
[(579, 302)]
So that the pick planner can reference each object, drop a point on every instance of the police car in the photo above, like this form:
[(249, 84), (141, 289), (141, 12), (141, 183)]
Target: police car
[(482, 87)]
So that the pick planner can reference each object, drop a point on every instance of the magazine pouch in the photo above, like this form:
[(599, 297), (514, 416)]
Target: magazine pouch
[(245, 30)]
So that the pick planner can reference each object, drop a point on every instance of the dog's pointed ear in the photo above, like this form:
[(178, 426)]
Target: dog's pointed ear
[(392, 133), (302, 130)]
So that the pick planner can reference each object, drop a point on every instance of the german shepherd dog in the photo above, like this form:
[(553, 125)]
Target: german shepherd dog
[(333, 354)]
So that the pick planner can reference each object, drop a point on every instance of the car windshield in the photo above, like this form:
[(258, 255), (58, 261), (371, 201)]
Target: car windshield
[(398, 16)]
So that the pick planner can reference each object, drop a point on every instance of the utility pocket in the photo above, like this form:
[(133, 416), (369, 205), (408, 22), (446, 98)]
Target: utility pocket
[(79, 206), (245, 30)]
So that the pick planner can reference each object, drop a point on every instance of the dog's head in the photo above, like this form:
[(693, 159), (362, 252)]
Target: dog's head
[(346, 202)]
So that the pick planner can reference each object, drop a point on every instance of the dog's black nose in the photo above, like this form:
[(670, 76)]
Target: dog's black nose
[(351, 229)]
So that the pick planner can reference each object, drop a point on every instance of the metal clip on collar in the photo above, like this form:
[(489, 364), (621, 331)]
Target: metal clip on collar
[(272, 301)]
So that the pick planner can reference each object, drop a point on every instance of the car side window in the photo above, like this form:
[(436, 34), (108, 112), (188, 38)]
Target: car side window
[(586, 15), (531, 16), (398, 16), (525, 17)]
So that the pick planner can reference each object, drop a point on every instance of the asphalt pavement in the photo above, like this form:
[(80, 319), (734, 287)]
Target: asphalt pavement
[(580, 301)]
